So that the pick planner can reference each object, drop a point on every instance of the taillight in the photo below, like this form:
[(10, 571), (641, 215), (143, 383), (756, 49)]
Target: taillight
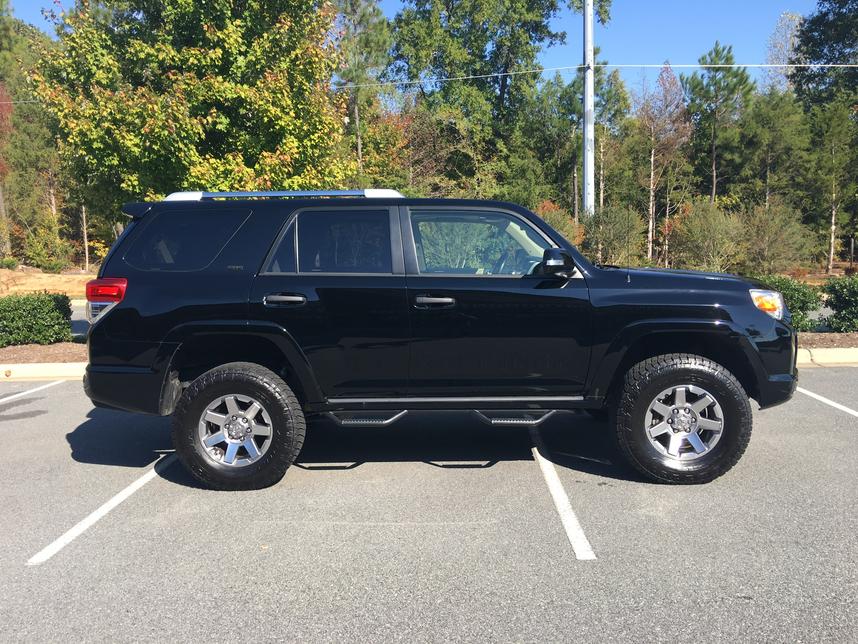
[(106, 289)]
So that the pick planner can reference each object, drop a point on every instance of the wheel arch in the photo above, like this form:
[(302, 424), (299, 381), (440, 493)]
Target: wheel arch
[(202, 347), (717, 341)]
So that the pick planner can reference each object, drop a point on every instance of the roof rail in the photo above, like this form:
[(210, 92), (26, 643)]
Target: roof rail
[(370, 193)]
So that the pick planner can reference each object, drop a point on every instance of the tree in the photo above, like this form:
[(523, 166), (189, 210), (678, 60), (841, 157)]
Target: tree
[(708, 238), (364, 42), (834, 139), (774, 238), (662, 114), (187, 94), (611, 106), (775, 143), (781, 50), (716, 98), (828, 36)]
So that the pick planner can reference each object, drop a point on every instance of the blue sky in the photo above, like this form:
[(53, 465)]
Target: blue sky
[(640, 31)]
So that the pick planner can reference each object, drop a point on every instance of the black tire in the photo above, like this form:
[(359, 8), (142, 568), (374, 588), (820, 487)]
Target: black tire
[(281, 404), (644, 381)]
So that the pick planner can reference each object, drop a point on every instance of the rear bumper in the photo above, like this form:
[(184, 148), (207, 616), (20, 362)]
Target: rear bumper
[(128, 388)]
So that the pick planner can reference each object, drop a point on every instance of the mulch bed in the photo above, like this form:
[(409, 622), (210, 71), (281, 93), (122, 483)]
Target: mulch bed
[(827, 340), (60, 352)]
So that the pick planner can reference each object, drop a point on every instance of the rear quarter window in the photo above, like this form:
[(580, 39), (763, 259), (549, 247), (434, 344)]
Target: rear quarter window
[(183, 240)]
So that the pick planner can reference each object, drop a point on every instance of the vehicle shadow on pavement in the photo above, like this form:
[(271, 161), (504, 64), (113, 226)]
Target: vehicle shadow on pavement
[(444, 440)]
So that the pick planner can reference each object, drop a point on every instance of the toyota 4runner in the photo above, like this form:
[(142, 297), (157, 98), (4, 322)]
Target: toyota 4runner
[(242, 313)]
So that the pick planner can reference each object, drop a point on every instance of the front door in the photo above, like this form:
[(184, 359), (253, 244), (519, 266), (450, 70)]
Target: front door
[(335, 283), (482, 324)]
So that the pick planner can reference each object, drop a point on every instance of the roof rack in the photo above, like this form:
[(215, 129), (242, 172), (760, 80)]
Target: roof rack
[(370, 193)]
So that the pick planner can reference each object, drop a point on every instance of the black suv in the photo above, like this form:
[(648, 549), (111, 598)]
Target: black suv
[(241, 313)]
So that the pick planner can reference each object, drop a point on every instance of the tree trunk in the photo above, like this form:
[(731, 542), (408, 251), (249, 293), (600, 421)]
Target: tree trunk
[(85, 239), (832, 237), (602, 172), (5, 239), (651, 212), (52, 201), (768, 165), (575, 193), (714, 168), (666, 248), (358, 137)]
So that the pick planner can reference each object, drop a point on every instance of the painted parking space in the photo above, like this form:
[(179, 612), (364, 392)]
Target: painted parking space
[(436, 528)]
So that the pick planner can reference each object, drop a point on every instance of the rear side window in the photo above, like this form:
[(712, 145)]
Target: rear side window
[(183, 240), (353, 241)]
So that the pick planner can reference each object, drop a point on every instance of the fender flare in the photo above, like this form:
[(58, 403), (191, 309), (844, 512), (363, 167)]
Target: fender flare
[(603, 370), (270, 331)]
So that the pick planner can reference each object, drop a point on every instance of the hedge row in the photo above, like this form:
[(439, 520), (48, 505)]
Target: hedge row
[(38, 318), (841, 295)]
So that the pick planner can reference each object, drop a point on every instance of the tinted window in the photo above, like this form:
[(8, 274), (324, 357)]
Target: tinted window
[(475, 243), (183, 240), (283, 260), (355, 241)]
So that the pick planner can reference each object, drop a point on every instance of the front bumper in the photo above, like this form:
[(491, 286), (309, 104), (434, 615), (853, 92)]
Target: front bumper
[(777, 389)]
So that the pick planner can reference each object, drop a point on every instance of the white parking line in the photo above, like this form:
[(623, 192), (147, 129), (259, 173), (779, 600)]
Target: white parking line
[(50, 550), (29, 391), (570, 522), (827, 401)]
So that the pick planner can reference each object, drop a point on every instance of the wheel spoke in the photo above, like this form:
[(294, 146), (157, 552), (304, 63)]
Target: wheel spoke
[(214, 417), (698, 445), (214, 439), (660, 408), (679, 396), (229, 455), (658, 430), (675, 444), (231, 405), (250, 412), (709, 424), (261, 430), (702, 404), (252, 449)]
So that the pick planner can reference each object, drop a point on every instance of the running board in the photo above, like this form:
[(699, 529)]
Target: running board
[(512, 418), (366, 418)]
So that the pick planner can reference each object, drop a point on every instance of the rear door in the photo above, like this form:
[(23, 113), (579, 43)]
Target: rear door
[(335, 282), (482, 324)]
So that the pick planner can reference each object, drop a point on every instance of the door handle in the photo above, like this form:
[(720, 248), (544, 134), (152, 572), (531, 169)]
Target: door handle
[(429, 300), (284, 299)]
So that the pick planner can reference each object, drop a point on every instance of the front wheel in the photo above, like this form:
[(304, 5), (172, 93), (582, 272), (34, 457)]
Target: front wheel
[(682, 418), (238, 427)]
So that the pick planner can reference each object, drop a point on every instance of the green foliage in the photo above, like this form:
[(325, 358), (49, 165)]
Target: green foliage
[(801, 299), (774, 238), (188, 94), (614, 236), (828, 36), (559, 220), (45, 249), (708, 238), (842, 298), (39, 318), (9, 263)]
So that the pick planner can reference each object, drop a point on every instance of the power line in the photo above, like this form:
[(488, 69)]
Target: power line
[(542, 70)]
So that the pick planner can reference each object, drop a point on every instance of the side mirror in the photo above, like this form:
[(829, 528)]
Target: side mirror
[(556, 261)]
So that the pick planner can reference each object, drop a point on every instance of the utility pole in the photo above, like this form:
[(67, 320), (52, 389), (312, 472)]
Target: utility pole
[(589, 139)]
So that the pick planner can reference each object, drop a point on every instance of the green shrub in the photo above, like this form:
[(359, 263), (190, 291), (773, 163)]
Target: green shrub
[(47, 250), (9, 262), (38, 318), (842, 295), (801, 299), (614, 236), (707, 238)]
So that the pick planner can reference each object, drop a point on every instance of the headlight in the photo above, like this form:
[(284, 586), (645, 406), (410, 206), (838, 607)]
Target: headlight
[(770, 302)]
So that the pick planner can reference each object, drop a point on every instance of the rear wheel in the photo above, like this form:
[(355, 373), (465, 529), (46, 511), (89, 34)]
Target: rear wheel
[(682, 418), (238, 427)]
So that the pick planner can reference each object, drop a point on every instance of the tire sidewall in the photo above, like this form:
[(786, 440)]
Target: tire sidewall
[(201, 394), (734, 406)]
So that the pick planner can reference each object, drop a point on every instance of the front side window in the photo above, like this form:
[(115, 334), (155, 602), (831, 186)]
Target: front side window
[(351, 241), (475, 243)]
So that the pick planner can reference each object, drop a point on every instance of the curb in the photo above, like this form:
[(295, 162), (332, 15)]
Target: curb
[(827, 357), (42, 371)]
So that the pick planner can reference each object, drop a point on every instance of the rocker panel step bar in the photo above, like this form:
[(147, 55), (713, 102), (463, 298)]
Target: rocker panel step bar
[(366, 418), (511, 417)]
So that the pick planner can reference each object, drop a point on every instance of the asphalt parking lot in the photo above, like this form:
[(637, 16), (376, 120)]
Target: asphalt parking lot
[(437, 528)]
